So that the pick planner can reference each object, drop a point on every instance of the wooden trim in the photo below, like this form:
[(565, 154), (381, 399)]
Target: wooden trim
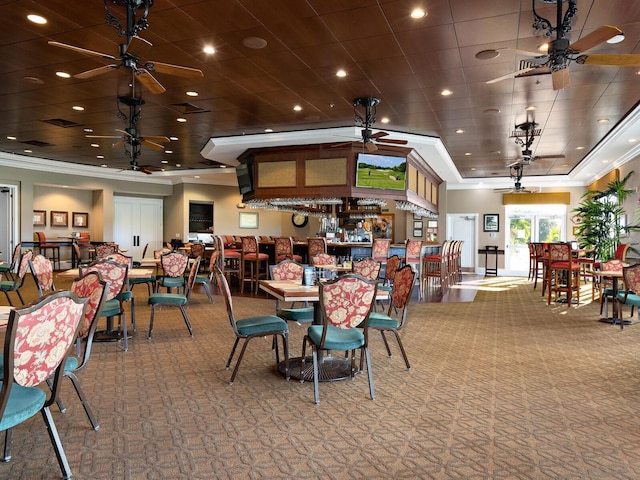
[(558, 198)]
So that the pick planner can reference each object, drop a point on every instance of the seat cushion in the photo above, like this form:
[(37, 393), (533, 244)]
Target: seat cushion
[(380, 320), (111, 308), (172, 282), (632, 299), (23, 403), (262, 324), (174, 299), (71, 363), (259, 256), (303, 314), (337, 338)]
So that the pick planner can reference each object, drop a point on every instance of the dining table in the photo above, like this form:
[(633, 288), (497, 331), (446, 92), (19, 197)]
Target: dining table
[(615, 275), (330, 368)]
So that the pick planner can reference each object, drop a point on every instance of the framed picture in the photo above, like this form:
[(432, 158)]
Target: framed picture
[(432, 224), (417, 225), (417, 233), (59, 219), (576, 229), (383, 226), (491, 222), (39, 218), (417, 217), (248, 220), (79, 220)]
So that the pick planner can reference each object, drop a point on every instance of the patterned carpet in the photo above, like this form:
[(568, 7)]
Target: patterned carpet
[(504, 387)]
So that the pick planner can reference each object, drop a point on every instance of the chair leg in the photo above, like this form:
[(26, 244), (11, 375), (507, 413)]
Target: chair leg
[(153, 311), (123, 319), (386, 344), (57, 444), (235, 370), (370, 374), (316, 386), (285, 341), (233, 351), (83, 400), (208, 290), (186, 320), (7, 446), (404, 354)]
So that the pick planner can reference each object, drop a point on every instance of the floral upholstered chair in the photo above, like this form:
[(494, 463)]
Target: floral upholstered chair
[(15, 284), (631, 293), (367, 268), (346, 303), (174, 264), (284, 249), (292, 271), (42, 272)]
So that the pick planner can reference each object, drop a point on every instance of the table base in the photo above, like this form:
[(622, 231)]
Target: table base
[(616, 321), (109, 336), (329, 369)]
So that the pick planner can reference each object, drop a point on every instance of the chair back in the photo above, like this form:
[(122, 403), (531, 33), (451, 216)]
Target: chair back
[(76, 251), (197, 250), (112, 272), (249, 244), (316, 245), (105, 249), (174, 264), (95, 289), (157, 254), (621, 251), (283, 247), (393, 264), (380, 248), (287, 270), (346, 302), (24, 266), (15, 258), (193, 273), (37, 339), (42, 238), (84, 239), (401, 292), (413, 251), (323, 259), (120, 258), (225, 291), (560, 252), (368, 268), (631, 276), (42, 272)]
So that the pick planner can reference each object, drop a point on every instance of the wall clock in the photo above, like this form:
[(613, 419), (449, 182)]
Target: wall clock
[(299, 220)]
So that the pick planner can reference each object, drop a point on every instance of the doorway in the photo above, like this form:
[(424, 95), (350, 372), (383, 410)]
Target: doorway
[(462, 226), (530, 223), (8, 216)]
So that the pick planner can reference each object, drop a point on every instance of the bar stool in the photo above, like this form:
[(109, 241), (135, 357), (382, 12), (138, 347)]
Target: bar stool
[(44, 247), (413, 257), (284, 249), (255, 259), (315, 245)]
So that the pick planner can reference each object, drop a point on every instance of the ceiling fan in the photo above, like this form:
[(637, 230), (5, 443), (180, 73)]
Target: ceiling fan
[(365, 116), (561, 52), (524, 135), (142, 70), (515, 172)]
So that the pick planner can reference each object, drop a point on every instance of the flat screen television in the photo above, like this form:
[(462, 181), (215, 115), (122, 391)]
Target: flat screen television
[(381, 171), (245, 178)]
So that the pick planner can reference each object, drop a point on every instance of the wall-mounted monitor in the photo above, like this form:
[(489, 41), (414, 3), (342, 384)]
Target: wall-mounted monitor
[(381, 171), (245, 178)]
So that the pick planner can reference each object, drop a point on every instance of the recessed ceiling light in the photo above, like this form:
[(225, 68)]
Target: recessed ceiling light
[(192, 94), (95, 145), (544, 47), (104, 165), (384, 120), (579, 148), (418, 13), (168, 151), (181, 120), (341, 73), (297, 108), (466, 154), (605, 161), (268, 130), (78, 108), (603, 120), (209, 50), (173, 139), (492, 111), (164, 161), (36, 80), (254, 42), (196, 176), (63, 74), (88, 130), (473, 169), (487, 54), (616, 38), (99, 156), (40, 20), (530, 108), (178, 165), (632, 140), (11, 137), (28, 151), (459, 130), (446, 92)]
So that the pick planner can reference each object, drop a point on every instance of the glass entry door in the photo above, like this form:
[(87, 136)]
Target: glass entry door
[(531, 223)]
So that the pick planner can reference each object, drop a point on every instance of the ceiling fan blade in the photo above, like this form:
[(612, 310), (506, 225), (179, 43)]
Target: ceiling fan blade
[(560, 79), (343, 144), (526, 53), (102, 136), (395, 141), (150, 82), (119, 144), (370, 146), (177, 70), (152, 145), (542, 157), (619, 60), (96, 71), (106, 56), (160, 139), (124, 132), (145, 170), (595, 38), (511, 75), (378, 135)]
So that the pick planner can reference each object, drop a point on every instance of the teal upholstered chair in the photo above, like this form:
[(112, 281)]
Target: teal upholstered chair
[(631, 294), (42, 272), (174, 264), (180, 300), (345, 303), (56, 319), (396, 316), (9, 267), (15, 284), (293, 271), (205, 280), (251, 327)]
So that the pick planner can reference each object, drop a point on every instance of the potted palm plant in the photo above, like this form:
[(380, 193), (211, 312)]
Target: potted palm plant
[(600, 214)]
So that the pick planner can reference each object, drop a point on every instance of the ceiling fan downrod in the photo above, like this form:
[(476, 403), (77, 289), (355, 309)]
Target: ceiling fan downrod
[(563, 22)]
